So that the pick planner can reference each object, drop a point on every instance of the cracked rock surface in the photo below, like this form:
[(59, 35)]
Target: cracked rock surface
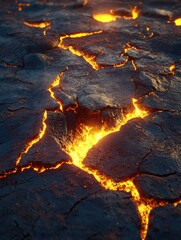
[(62, 70), (69, 204)]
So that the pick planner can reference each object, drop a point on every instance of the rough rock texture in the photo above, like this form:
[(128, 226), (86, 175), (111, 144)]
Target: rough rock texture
[(67, 204), (55, 58), (165, 223)]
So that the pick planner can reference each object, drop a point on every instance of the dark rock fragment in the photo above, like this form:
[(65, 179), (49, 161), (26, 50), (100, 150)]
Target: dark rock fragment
[(165, 223), (160, 188)]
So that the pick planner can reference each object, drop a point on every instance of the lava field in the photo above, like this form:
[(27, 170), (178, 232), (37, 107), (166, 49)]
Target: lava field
[(90, 120)]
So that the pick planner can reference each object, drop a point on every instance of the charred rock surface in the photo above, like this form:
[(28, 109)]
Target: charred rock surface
[(69, 204), (161, 223), (83, 98)]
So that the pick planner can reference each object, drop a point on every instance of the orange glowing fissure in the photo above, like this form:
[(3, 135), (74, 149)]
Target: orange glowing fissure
[(35, 140), (177, 22), (172, 68), (42, 24), (110, 17), (56, 83), (21, 5), (88, 58), (91, 59), (88, 137)]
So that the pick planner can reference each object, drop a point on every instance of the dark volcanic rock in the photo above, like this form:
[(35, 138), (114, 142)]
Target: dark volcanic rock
[(121, 155), (66, 202), (165, 223), (160, 188), (47, 152)]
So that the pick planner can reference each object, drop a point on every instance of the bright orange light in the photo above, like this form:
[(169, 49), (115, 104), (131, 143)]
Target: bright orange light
[(38, 24), (134, 65), (172, 68), (129, 47), (177, 22), (104, 17), (177, 203), (87, 138), (135, 12), (85, 2), (56, 83), (88, 58), (21, 5), (90, 136), (35, 140), (110, 17)]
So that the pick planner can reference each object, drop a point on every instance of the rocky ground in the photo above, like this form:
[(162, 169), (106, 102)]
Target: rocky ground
[(90, 120)]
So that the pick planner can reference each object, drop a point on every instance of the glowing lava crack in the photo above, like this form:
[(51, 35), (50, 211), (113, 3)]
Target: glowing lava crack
[(83, 143), (88, 58), (110, 17)]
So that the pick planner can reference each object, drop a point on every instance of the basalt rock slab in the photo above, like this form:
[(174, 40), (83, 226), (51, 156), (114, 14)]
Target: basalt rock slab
[(39, 156), (166, 188), (68, 203), (120, 155), (99, 72), (165, 223)]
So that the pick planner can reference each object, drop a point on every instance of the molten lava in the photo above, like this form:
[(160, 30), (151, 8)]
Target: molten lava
[(88, 58), (87, 138), (56, 83), (43, 24), (177, 22), (135, 12), (35, 140), (104, 17), (110, 17), (21, 5), (172, 68)]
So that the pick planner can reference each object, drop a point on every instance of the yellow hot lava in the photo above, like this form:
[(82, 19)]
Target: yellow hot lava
[(56, 83), (105, 17), (110, 17), (38, 24), (88, 58), (88, 137), (21, 5), (172, 68), (177, 22), (35, 140), (135, 12)]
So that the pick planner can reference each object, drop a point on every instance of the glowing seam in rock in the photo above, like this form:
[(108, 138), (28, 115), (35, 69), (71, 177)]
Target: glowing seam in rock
[(20, 5), (35, 140), (177, 22), (110, 17), (38, 24), (172, 68), (88, 58), (86, 140), (56, 83)]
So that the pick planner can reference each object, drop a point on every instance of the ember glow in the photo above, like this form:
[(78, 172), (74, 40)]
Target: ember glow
[(177, 22), (56, 83), (43, 24), (104, 17), (172, 68), (87, 138), (135, 12), (21, 5), (110, 17), (88, 58), (35, 140)]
